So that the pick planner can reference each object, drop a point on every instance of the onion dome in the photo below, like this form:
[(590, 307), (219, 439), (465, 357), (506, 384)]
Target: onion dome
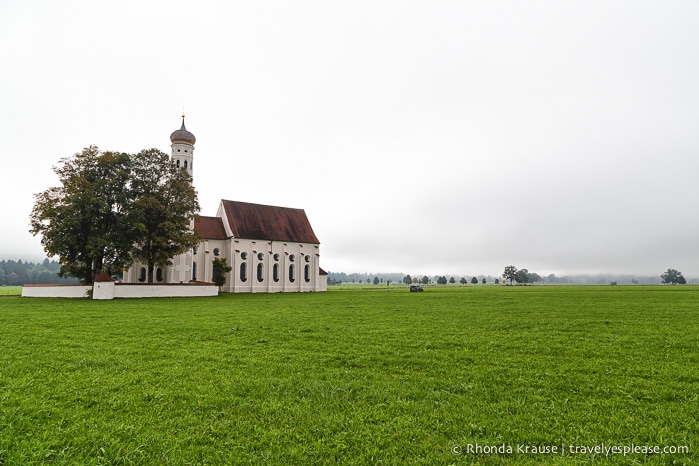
[(182, 135)]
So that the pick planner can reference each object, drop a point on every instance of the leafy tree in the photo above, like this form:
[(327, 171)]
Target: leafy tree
[(221, 268), (442, 280), (407, 280), (376, 280), (164, 205), (522, 276), (484, 281), (113, 209), (474, 280), (509, 273), (452, 281), (85, 221), (425, 280), (673, 277), (463, 281)]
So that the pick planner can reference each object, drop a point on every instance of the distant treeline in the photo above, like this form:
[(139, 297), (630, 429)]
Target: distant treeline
[(337, 278), (14, 273)]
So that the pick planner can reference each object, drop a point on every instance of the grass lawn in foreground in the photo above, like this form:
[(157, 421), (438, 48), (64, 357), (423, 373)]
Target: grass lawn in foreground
[(372, 376)]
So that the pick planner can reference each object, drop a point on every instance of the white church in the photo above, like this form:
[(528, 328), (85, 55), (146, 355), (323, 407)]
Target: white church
[(270, 249)]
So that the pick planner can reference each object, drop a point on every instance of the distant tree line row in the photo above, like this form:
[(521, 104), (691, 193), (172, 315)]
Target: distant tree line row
[(15, 273), (511, 274)]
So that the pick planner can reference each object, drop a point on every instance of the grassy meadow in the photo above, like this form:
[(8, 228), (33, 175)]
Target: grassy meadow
[(454, 375), (10, 290)]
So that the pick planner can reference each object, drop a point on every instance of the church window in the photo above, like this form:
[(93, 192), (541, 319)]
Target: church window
[(243, 255), (177, 163), (217, 252), (275, 272), (260, 272), (292, 273), (307, 273), (194, 270), (243, 272), (159, 274), (185, 163), (276, 257), (142, 274), (179, 150), (292, 258), (308, 258), (260, 257)]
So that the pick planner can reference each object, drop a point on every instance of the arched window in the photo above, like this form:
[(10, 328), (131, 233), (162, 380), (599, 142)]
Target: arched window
[(276, 257), (260, 257), (142, 274), (307, 273), (177, 164), (244, 272), (292, 273), (260, 272), (194, 270), (275, 272), (185, 164), (159, 274)]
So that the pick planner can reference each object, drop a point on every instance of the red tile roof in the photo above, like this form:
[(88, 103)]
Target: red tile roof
[(257, 221), (103, 277), (209, 227)]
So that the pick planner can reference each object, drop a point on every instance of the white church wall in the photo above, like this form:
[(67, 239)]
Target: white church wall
[(204, 258), (56, 291), (165, 291), (268, 254), (108, 290)]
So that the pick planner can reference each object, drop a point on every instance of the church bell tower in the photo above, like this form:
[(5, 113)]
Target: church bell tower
[(183, 148)]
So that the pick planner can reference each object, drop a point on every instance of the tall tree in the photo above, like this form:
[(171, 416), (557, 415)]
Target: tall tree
[(164, 206), (84, 220), (510, 272), (673, 277), (522, 276)]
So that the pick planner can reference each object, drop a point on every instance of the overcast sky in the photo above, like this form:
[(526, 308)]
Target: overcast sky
[(423, 137)]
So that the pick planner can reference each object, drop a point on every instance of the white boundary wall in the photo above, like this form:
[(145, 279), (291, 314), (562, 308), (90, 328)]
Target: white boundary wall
[(109, 290), (55, 291), (163, 291)]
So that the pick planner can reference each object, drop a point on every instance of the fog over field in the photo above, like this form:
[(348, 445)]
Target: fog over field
[(446, 137)]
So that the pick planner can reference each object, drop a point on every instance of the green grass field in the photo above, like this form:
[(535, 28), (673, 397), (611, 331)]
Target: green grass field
[(368, 376), (10, 290)]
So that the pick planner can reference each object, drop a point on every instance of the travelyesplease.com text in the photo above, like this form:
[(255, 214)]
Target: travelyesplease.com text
[(565, 449)]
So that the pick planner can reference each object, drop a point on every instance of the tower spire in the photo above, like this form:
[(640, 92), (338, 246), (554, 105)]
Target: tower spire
[(183, 147)]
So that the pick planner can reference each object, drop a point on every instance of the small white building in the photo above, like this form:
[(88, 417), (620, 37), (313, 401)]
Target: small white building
[(271, 249)]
